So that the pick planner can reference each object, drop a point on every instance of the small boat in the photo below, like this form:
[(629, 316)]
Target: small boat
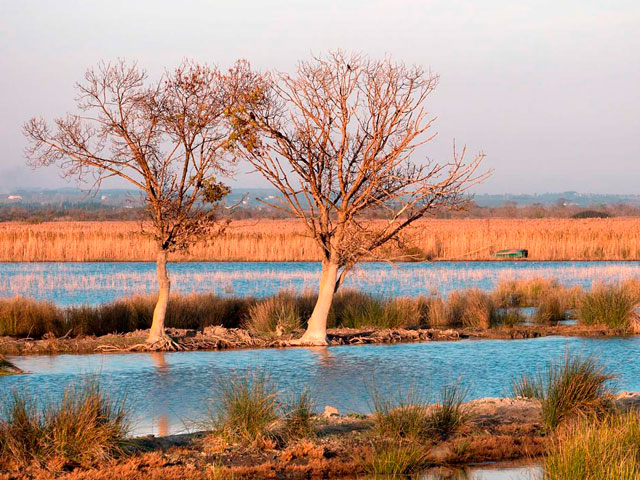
[(512, 253)]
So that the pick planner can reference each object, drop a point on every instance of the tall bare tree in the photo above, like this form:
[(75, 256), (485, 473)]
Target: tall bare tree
[(168, 138), (336, 140)]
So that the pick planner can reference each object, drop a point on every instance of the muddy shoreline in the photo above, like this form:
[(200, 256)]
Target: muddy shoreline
[(498, 430), (220, 338)]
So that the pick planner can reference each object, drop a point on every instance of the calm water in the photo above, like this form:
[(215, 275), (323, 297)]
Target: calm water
[(93, 283), (170, 391)]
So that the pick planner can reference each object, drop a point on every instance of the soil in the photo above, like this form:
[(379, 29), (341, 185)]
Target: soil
[(220, 338), (498, 430)]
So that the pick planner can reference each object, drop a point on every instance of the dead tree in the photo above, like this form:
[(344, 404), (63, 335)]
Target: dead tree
[(337, 140), (168, 138)]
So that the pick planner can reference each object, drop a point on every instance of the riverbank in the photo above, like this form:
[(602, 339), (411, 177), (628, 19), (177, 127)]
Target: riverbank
[(497, 430), (286, 240), (220, 338)]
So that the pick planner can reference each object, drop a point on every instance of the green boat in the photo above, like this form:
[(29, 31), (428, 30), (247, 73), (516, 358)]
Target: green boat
[(512, 253)]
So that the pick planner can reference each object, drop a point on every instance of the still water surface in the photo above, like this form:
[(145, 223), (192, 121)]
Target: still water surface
[(171, 392), (94, 283)]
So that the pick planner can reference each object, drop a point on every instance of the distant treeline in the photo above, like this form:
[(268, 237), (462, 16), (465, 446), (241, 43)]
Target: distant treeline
[(90, 211)]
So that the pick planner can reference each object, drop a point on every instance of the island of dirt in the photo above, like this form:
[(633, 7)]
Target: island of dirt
[(220, 338)]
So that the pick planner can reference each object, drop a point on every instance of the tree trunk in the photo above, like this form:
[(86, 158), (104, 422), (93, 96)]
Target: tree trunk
[(316, 333), (164, 285)]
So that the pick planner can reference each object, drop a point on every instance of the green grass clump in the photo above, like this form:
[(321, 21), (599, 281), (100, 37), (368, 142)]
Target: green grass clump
[(524, 292), (298, 415), (85, 428), (576, 387), (412, 416), (449, 412), (609, 305), (353, 309), (279, 313), (509, 317), (246, 408), (394, 459), (596, 450), (405, 415), (24, 317), (550, 308)]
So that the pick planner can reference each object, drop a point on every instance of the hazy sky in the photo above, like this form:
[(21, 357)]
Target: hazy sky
[(550, 90)]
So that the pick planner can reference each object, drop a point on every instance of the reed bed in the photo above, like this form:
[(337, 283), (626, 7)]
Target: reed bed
[(285, 240), (285, 312)]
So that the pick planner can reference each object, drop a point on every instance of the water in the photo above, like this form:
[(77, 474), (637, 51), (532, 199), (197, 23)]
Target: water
[(170, 391), (491, 472), (94, 283)]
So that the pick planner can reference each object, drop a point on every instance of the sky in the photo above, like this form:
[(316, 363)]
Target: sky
[(549, 90)]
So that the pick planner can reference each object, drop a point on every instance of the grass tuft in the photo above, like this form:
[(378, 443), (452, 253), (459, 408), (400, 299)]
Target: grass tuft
[(85, 428), (394, 459), (596, 450), (246, 408), (402, 416), (609, 305), (277, 314), (449, 413), (550, 308), (577, 387), (298, 415)]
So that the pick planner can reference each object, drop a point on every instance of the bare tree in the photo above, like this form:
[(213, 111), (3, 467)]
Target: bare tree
[(168, 138), (336, 141)]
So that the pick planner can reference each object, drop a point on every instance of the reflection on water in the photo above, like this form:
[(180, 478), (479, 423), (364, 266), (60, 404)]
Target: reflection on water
[(93, 283), (497, 472), (178, 387)]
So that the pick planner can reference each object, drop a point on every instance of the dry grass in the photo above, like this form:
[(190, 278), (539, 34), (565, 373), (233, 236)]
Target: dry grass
[(596, 450), (281, 240)]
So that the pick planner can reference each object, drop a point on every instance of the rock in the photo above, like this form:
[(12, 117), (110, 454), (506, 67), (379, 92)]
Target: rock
[(330, 411)]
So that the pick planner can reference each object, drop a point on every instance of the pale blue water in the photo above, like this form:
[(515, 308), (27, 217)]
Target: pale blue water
[(93, 283), (178, 387)]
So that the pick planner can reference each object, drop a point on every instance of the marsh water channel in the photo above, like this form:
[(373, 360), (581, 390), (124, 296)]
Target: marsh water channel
[(94, 283), (173, 392)]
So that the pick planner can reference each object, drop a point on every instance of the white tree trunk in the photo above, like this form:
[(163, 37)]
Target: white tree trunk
[(316, 333), (160, 311)]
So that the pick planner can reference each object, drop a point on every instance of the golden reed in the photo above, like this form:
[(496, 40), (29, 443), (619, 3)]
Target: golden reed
[(284, 240)]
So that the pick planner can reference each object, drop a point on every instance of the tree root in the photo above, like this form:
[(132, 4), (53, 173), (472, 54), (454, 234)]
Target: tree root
[(307, 342), (163, 344)]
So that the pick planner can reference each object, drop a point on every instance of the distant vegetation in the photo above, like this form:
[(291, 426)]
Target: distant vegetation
[(96, 211), (591, 214)]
